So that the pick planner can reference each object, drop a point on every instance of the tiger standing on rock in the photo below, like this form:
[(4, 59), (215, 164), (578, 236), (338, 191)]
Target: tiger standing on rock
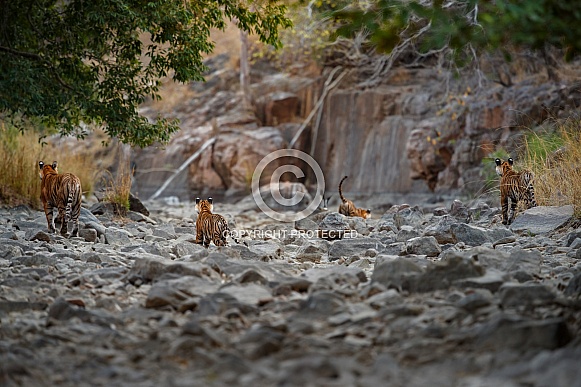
[(514, 186), (63, 192), (347, 207), (210, 227)]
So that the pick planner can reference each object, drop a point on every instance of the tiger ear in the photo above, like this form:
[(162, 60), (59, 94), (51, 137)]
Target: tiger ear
[(40, 164), (510, 160), (210, 200), (54, 165), (197, 200), (497, 161)]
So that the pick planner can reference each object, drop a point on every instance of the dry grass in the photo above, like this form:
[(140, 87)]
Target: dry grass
[(21, 152), (118, 187), (555, 158)]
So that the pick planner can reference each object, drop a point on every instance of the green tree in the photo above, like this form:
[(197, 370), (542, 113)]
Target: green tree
[(69, 63), (461, 24)]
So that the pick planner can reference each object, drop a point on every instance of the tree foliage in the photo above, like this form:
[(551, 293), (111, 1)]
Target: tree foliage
[(457, 24), (68, 63)]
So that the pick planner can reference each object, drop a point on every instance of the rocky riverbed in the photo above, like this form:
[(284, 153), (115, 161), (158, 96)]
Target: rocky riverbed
[(428, 295)]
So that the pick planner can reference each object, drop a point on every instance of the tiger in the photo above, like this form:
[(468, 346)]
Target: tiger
[(210, 227), (348, 208), (515, 186), (64, 192)]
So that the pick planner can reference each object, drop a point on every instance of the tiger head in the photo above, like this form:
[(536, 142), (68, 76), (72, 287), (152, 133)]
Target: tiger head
[(366, 213), (204, 205), (503, 166), (47, 169)]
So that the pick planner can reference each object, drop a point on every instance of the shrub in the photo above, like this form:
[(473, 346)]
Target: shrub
[(554, 155)]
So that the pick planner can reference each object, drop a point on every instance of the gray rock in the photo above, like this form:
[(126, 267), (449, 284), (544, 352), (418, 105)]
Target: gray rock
[(516, 295), (35, 235), (406, 233), (353, 247), (310, 253), (117, 237), (182, 293), (523, 334), (423, 246), (399, 273), (442, 230), (573, 288), (542, 219), (476, 236), (410, 216), (182, 249), (250, 293), (334, 221), (151, 268), (88, 234), (441, 275)]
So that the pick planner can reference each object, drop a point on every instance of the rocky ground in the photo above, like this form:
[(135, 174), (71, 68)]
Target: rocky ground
[(430, 295)]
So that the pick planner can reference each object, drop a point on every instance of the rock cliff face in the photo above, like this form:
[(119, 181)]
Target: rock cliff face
[(419, 129)]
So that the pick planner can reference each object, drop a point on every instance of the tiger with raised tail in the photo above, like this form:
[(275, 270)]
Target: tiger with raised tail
[(347, 207), (210, 227), (515, 186), (63, 192)]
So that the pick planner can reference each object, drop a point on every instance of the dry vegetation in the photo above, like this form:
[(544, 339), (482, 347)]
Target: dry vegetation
[(21, 152), (555, 158)]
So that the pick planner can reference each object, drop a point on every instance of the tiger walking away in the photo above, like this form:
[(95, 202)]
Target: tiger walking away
[(210, 227), (347, 207), (64, 192), (516, 186)]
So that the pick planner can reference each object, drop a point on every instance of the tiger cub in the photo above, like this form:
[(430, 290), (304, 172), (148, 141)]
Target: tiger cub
[(514, 186), (210, 227), (348, 208), (63, 192)]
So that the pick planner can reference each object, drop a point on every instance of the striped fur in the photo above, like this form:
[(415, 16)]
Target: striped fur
[(210, 227), (347, 207), (515, 186), (63, 192)]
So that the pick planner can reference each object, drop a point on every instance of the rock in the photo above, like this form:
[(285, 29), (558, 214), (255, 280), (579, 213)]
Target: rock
[(410, 216), (525, 295), (423, 246), (37, 236), (88, 234), (406, 233), (151, 268), (542, 219), (442, 230), (251, 293), (182, 293), (524, 334), (136, 205), (399, 273), (441, 275), (334, 221), (117, 237), (310, 253), (573, 288), (476, 236), (353, 247)]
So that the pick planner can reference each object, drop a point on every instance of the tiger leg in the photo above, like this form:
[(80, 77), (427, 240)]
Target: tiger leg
[(64, 214), (199, 235), (504, 205), (531, 195), (512, 211), (75, 221), (48, 209)]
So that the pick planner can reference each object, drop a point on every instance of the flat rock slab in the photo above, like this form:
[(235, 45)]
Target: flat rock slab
[(542, 220)]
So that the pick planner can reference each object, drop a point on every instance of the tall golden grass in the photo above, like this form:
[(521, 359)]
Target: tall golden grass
[(118, 186), (20, 154), (555, 158)]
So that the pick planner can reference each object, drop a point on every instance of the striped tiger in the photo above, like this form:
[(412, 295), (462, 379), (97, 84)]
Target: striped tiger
[(210, 227), (347, 207), (63, 192), (515, 186)]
